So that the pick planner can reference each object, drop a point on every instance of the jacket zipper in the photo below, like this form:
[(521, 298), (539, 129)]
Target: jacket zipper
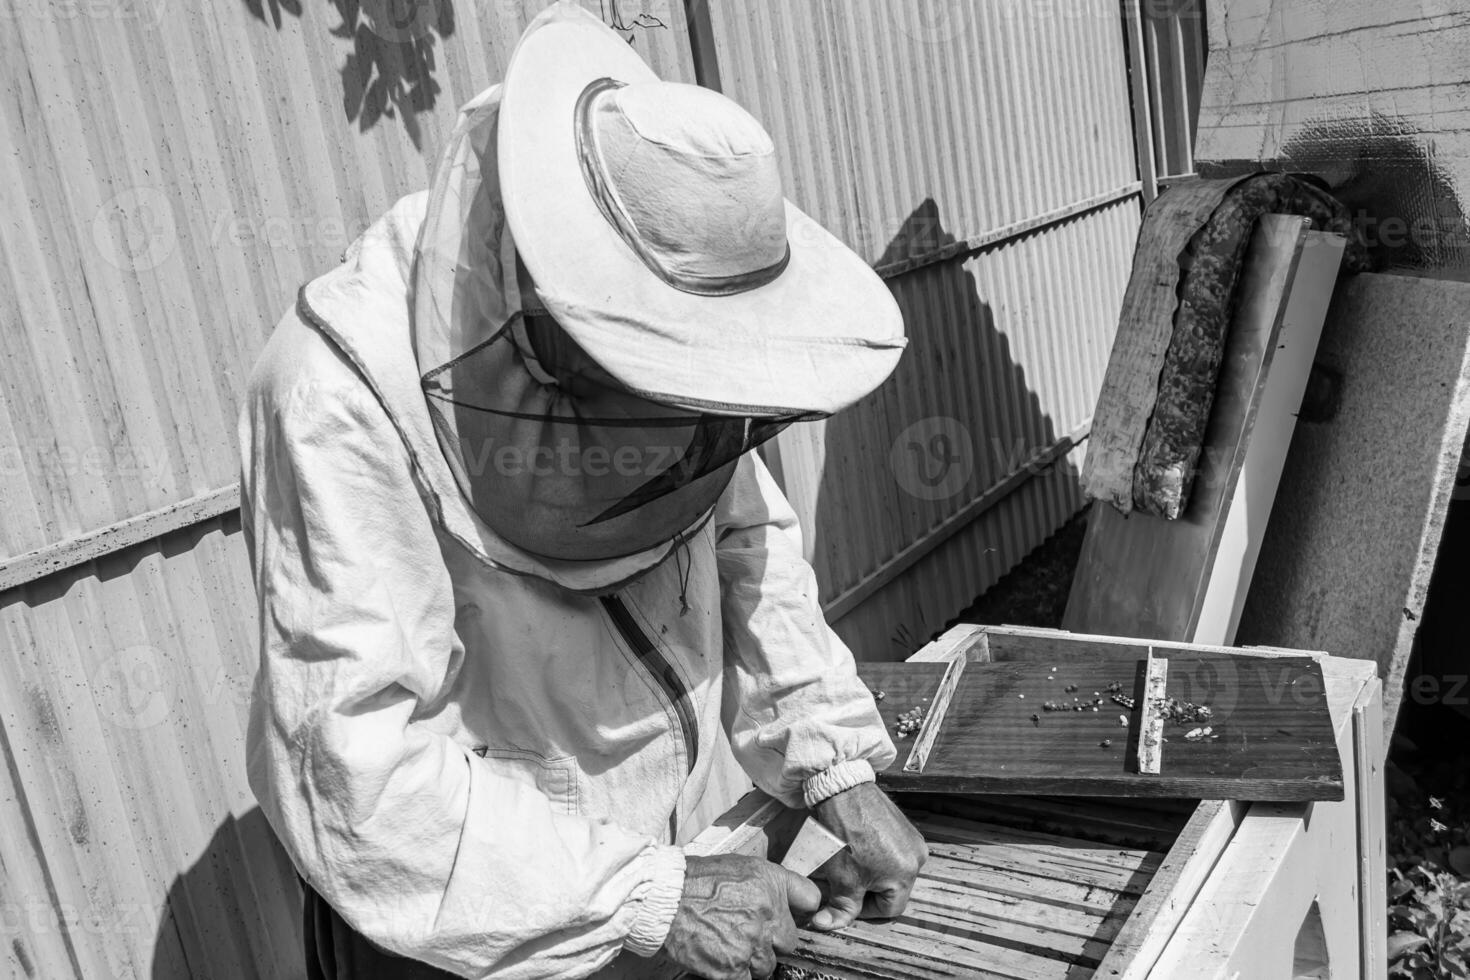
[(648, 654)]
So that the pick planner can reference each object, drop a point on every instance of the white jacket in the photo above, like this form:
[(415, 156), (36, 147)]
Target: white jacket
[(476, 764)]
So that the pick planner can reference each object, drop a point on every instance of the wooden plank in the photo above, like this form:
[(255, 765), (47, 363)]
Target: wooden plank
[(1288, 865), (20, 569), (994, 902), (1075, 885), (1272, 422), (898, 688), (1037, 854), (1353, 535), (1130, 386), (1262, 860), (1171, 891), (1143, 576), (1153, 824), (1150, 714), (1274, 732), (966, 639), (1368, 764), (934, 717), (1010, 643)]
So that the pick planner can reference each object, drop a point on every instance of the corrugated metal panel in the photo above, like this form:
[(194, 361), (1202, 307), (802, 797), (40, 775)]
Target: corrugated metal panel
[(1174, 57), (1008, 349), (995, 111), (123, 697), (172, 173), (170, 176), (921, 133)]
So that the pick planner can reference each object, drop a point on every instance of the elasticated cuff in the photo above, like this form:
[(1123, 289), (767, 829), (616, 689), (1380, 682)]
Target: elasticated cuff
[(659, 902), (844, 775)]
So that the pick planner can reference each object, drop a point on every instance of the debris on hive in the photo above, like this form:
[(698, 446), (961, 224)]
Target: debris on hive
[(909, 722), (784, 972)]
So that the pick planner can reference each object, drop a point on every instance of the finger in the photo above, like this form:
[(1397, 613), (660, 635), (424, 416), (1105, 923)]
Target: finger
[(888, 903), (803, 896), (838, 913)]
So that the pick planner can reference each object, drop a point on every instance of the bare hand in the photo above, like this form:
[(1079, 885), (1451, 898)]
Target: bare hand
[(736, 915), (872, 878)]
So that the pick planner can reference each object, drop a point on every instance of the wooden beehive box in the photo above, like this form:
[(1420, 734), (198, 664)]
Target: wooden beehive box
[(1041, 887)]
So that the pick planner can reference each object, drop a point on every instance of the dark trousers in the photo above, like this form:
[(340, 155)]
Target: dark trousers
[(335, 951)]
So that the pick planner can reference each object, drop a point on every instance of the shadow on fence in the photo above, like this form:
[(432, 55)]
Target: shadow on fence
[(389, 72)]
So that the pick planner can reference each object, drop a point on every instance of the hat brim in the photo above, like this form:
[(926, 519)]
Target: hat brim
[(823, 334)]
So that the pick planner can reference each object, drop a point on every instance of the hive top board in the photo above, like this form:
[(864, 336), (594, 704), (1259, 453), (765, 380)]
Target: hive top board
[(1237, 727)]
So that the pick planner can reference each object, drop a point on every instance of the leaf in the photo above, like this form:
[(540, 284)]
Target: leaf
[(1414, 915), (1401, 943)]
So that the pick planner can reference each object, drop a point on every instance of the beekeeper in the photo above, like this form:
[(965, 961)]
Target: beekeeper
[(518, 567)]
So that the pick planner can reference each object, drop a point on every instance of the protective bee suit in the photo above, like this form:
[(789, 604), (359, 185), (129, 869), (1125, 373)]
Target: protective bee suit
[(479, 744)]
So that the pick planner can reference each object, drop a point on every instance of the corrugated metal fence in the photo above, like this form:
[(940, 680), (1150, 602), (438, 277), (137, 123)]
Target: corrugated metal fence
[(981, 155), (172, 172)]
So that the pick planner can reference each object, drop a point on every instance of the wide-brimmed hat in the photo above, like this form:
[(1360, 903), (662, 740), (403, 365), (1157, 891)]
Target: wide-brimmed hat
[(651, 219)]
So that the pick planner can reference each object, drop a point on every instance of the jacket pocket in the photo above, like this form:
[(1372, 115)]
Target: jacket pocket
[(555, 778)]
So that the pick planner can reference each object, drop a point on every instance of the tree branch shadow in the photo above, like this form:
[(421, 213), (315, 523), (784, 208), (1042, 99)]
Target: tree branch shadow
[(389, 72)]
